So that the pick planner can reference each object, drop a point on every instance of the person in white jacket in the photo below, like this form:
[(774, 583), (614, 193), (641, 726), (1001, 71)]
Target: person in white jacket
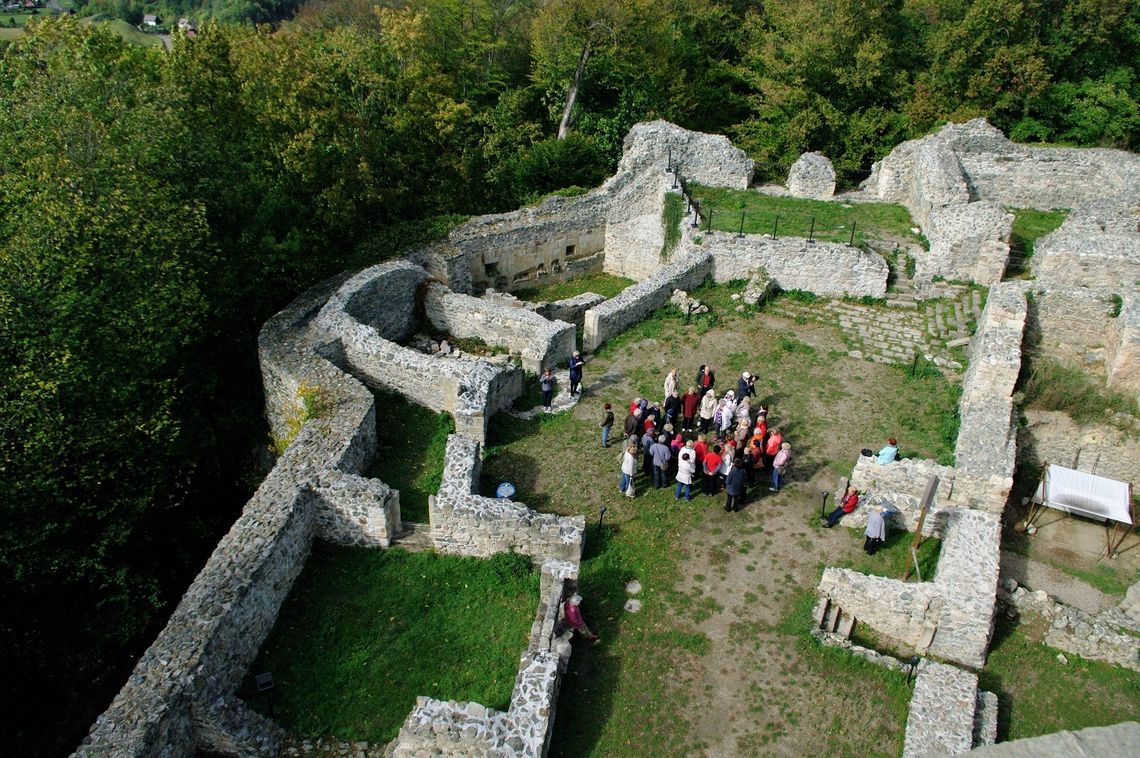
[(686, 467), (628, 469)]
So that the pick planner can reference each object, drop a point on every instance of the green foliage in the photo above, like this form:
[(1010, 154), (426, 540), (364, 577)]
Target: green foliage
[(1050, 386), (1029, 225), (555, 164), (671, 217), (1117, 305), (410, 444), (364, 632)]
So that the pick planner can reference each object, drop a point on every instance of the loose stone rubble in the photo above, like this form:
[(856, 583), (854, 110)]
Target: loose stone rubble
[(360, 330)]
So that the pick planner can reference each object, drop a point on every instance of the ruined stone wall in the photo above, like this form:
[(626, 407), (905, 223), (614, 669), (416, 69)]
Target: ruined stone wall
[(1074, 325), (635, 235), (899, 610), (899, 486), (967, 577), (986, 446), (638, 301), (470, 390), (541, 343), (825, 268), (1123, 355), (942, 712), (967, 242), (1053, 437), (1118, 739), (466, 523), (572, 310)]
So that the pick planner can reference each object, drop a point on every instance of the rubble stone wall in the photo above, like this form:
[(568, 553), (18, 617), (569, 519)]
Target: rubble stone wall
[(465, 523), (986, 447), (899, 486), (967, 242), (540, 342), (941, 718), (639, 300), (825, 268), (1123, 355), (1053, 437), (1074, 325)]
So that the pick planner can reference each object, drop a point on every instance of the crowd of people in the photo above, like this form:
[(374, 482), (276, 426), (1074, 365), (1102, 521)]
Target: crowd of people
[(694, 438)]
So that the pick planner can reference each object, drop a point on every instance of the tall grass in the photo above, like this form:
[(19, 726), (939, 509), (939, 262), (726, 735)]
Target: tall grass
[(671, 217), (1051, 386)]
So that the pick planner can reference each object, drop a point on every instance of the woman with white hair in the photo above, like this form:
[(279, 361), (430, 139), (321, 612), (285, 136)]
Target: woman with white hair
[(574, 620), (708, 408), (727, 413)]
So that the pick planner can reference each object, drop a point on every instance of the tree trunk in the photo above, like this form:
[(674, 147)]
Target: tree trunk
[(572, 93)]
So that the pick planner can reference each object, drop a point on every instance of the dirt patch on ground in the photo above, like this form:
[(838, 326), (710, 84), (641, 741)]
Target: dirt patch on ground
[(718, 661)]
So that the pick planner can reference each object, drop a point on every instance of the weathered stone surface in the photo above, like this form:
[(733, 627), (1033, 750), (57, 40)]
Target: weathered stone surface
[(1123, 353), (967, 241), (825, 268), (1053, 437), (812, 176), (941, 719), (1116, 740)]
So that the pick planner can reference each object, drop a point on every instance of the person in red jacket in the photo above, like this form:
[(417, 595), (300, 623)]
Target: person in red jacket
[(711, 470), (772, 446), (690, 402), (848, 504), (574, 618)]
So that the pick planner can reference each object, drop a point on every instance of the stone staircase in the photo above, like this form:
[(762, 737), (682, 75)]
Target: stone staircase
[(414, 537), (907, 325), (832, 619)]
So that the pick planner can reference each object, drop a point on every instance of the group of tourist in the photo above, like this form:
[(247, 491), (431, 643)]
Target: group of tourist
[(695, 436)]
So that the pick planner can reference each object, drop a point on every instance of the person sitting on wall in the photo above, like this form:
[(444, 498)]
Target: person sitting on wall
[(573, 613), (889, 452), (848, 504)]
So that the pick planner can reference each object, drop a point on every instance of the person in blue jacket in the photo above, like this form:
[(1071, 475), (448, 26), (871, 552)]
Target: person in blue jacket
[(888, 453)]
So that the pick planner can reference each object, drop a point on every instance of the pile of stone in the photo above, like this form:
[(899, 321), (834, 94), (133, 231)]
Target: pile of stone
[(687, 305), (759, 289), (1103, 637)]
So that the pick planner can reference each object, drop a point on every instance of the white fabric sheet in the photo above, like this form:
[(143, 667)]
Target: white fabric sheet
[(1084, 494)]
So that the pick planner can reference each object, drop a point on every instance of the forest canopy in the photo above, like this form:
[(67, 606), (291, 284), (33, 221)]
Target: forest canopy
[(156, 207)]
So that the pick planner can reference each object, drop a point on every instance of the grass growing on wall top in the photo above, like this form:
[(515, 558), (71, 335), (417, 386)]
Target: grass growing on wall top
[(606, 285), (833, 220), (672, 213), (365, 631), (1030, 224), (410, 442)]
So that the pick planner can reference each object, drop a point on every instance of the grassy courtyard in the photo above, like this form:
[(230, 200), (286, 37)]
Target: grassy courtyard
[(364, 632)]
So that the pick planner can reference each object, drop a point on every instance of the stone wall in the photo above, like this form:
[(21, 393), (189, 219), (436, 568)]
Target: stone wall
[(1123, 354), (638, 301), (825, 268), (465, 523), (539, 342), (997, 169), (449, 728), (942, 711), (1116, 740), (1074, 325), (1097, 247), (899, 486), (1107, 636), (968, 242), (572, 310), (986, 447), (470, 390), (1053, 437)]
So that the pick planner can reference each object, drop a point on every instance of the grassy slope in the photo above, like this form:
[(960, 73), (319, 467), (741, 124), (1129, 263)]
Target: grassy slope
[(606, 285), (366, 631)]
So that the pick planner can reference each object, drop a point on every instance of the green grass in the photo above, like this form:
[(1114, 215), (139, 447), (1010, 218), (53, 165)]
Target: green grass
[(363, 632), (21, 18), (1050, 386), (1105, 578), (833, 220), (606, 285), (1040, 695), (1029, 225), (893, 558), (410, 442), (127, 32), (671, 217)]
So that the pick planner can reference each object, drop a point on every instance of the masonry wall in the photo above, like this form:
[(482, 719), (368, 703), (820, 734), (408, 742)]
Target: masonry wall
[(638, 301), (541, 343), (1074, 325), (967, 577), (967, 242), (900, 485), (465, 523), (1123, 354), (825, 268), (1053, 437), (986, 446), (889, 606)]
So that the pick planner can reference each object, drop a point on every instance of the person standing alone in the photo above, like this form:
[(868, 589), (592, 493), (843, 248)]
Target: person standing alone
[(576, 364)]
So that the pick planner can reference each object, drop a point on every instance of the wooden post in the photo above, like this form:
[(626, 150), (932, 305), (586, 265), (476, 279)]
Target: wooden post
[(1035, 508), (927, 498)]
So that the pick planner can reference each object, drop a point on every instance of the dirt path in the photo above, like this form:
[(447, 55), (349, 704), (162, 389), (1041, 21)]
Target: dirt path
[(1068, 589)]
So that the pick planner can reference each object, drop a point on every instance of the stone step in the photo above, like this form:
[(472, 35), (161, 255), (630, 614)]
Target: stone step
[(414, 537), (846, 626)]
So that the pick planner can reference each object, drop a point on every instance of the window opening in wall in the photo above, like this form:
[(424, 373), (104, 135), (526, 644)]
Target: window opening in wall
[(569, 250), (491, 270)]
